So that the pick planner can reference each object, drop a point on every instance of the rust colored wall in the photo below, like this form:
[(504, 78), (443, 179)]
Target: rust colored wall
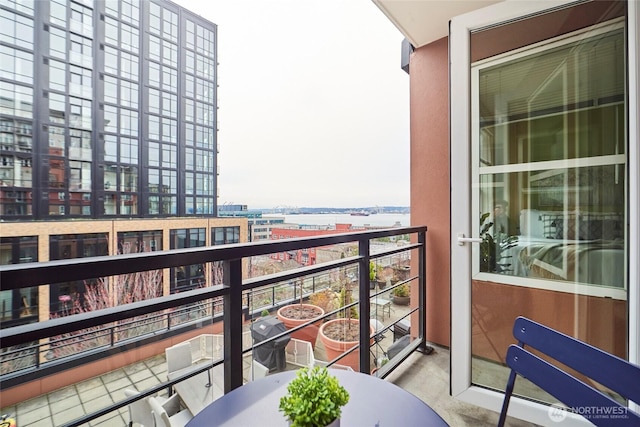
[(495, 306), (430, 178)]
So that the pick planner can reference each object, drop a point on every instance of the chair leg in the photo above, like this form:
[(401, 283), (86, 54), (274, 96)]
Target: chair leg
[(507, 397)]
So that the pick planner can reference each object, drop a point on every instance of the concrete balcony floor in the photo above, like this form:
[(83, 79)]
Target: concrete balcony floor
[(425, 376)]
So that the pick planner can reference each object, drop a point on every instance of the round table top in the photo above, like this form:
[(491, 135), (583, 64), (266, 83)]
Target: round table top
[(372, 402)]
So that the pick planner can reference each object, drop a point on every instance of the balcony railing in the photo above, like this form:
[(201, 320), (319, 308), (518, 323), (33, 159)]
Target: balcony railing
[(233, 302)]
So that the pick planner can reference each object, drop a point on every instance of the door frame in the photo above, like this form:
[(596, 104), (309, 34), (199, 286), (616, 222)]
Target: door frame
[(461, 260)]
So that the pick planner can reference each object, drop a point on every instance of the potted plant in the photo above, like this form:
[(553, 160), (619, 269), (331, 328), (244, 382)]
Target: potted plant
[(293, 315), (341, 334), (401, 272), (376, 276), (372, 275), (314, 399), (400, 294)]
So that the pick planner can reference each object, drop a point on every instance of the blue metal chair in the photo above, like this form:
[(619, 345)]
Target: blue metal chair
[(611, 371)]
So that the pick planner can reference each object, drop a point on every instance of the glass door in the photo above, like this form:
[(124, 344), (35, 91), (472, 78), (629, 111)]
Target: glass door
[(546, 198), (549, 192)]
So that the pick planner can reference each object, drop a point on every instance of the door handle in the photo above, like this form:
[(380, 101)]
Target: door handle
[(462, 240)]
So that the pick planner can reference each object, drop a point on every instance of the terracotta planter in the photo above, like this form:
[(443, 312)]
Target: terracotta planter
[(335, 348), (309, 333), (382, 283), (401, 300), (402, 272)]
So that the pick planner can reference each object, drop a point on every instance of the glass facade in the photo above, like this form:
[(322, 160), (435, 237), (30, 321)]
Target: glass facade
[(115, 129)]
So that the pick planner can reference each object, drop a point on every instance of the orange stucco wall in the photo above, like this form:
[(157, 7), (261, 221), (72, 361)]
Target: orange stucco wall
[(430, 177)]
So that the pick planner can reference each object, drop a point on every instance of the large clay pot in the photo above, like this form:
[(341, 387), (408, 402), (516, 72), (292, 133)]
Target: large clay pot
[(308, 333), (401, 300), (335, 348)]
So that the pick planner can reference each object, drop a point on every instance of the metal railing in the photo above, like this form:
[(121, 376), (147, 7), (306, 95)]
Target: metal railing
[(232, 293)]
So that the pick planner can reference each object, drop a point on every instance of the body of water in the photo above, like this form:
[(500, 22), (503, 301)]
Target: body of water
[(377, 220)]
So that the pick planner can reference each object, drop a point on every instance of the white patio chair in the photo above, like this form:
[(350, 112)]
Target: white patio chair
[(140, 410), (178, 356), (168, 414)]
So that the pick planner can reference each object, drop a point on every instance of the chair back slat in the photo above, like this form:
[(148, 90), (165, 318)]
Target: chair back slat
[(599, 408), (605, 368), (616, 374)]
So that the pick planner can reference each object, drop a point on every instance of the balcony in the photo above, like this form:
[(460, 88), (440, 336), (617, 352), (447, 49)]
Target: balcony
[(81, 363)]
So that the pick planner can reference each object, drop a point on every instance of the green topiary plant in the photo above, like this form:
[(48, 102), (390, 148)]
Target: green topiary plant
[(314, 398), (401, 291)]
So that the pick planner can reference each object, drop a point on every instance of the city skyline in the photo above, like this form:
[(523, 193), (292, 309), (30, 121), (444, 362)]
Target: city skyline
[(313, 104)]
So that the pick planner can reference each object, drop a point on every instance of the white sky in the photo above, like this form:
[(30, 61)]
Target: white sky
[(313, 104)]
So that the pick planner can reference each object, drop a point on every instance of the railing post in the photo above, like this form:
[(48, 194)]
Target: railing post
[(232, 325), (364, 306), (422, 294)]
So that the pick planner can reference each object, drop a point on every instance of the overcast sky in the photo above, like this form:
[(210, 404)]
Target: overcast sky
[(313, 104)]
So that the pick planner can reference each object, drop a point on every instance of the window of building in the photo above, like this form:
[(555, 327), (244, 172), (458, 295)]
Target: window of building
[(154, 127), (129, 151), (57, 75), (190, 276), (129, 94), (111, 33), (225, 235), (57, 107), (80, 82), (110, 148), (128, 122), (169, 79), (16, 64), (111, 60), (68, 246), (154, 18), (110, 118), (130, 242), (56, 136), (169, 104), (129, 66), (170, 25), (154, 101), (80, 113), (80, 144), (25, 7), (130, 11), (18, 306), (16, 100), (16, 29), (80, 50), (154, 74), (81, 19), (79, 176), (128, 178), (129, 38)]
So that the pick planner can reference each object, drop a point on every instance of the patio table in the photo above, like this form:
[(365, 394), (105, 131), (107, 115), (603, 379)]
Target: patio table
[(372, 402), (194, 392)]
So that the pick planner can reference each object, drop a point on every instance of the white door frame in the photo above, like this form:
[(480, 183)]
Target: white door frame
[(460, 134)]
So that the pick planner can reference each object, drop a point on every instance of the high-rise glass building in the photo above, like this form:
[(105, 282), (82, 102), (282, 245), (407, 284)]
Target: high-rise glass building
[(107, 110), (107, 142)]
